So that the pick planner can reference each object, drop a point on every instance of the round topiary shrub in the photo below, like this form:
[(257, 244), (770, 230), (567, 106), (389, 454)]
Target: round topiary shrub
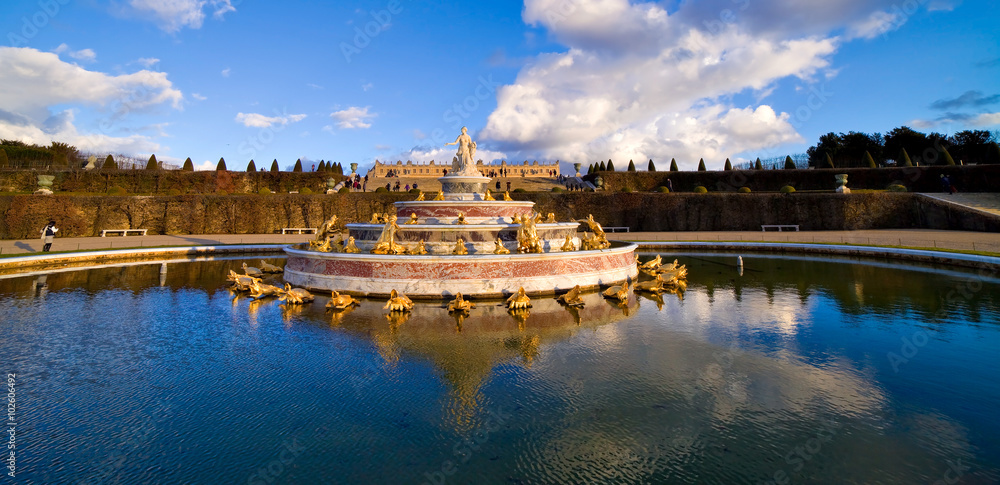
[(558, 189), (173, 192), (744, 190), (700, 190), (519, 191), (663, 190), (117, 191), (345, 190), (264, 191), (788, 189), (414, 191), (306, 191), (381, 190), (897, 188)]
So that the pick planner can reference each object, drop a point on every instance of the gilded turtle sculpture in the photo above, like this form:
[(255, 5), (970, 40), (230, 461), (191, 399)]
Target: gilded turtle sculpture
[(398, 303), (619, 293), (551, 218), (460, 249), (270, 268), (571, 298), (652, 264), (251, 271), (260, 290), (439, 197), (241, 282), (519, 300), (350, 247), (296, 296), (499, 248), (461, 219), (460, 304), (568, 245), (417, 250), (413, 219), (341, 302)]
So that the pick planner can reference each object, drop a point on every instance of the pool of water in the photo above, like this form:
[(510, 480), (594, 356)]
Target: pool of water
[(801, 370)]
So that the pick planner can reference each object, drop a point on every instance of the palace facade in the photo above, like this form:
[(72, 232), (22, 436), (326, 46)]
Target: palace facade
[(434, 169)]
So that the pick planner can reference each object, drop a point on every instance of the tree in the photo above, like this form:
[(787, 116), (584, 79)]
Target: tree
[(701, 166), (829, 161), (602, 167), (903, 159), (298, 166), (869, 161), (946, 157), (758, 165), (221, 167), (651, 167), (274, 166), (673, 165), (152, 163), (971, 145), (188, 165), (252, 167), (729, 165), (590, 169), (109, 164), (631, 166), (993, 154), (4, 162), (611, 165), (789, 163)]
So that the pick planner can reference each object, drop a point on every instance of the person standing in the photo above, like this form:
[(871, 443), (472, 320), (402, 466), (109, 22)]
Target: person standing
[(49, 233)]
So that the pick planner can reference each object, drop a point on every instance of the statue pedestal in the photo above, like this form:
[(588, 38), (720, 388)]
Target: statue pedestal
[(463, 184)]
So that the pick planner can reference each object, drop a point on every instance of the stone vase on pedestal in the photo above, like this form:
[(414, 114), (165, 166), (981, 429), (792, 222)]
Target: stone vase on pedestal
[(576, 166), (45, 184), (842, 183)]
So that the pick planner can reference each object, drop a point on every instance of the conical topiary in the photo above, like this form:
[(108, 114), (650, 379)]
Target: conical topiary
[(701, 166), (729, 165), (602, 167), (868, 161), (631, 166), (152, 164), (903, 160), (4, 162), (829, 161), (789, 163), (251, 167), (758, 165), (109, 164), (673, 165), (946, 157), (651, 167), (590, 169), (274, 166), (298, 166), (188, 165), (221, 167), (611, 165)]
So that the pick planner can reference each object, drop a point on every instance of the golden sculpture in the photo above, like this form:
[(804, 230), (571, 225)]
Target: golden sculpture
[(341, 302), (351, 248), (527, 237), (551, 218), (326, 246), (568, 245), (619, 293), (338, 245), (651, 264), (398, 303), (386, 243), (500, 248), (326, 229), (460, 305), (440, 196), (460, 249), (418, 250), (516, 219), (571, 298), (259, 290), (461, 218), (270, 268), (600, 240), (420, 196), (376, 218), (488, 196), (251, 271), (518, 300), (241, 282), (413, 219), (654, 286), (506, 196), (295, 296), (538, 218)]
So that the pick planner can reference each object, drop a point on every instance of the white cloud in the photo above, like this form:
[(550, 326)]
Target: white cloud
[(254, 120), (198, 97), (226, 71), (879, 23), (85, 55), (148, 62), (173, 15), (35, 83), (354, 118)]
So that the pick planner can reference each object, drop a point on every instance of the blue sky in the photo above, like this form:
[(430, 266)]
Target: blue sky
[(569, 80)]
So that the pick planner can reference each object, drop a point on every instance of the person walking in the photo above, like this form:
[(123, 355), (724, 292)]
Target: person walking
[(49, 233)]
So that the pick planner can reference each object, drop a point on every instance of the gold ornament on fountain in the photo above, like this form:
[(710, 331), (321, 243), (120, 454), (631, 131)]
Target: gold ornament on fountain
[(386, 243), (461, 218), (568, 245), (296, 296), (652, 264), (571, 298), (413, 219), (420, 196), (259, 290), (398, 303), (241, 282), (341, 302), (350, 247), (500, 248), (460, 304), (599, 240), (518, 300), (506, 196), (326, 229), (487, 196), (270, 268), (251, 271), (440, 196), (551, 218), (460, 249), (619, 293), (376, 218), (418, 250), (527, 237)]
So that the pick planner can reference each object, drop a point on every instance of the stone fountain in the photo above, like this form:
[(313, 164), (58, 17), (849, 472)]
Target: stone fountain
[(419, 258)]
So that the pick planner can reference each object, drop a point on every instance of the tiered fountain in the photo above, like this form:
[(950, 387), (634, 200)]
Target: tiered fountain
[(390, 258)]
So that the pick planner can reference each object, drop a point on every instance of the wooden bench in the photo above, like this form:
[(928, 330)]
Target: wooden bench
[(299, 230), (779, 227), (124, 232), (615, 229)]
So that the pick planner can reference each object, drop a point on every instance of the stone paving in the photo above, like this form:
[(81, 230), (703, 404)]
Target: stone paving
[(982, 202)]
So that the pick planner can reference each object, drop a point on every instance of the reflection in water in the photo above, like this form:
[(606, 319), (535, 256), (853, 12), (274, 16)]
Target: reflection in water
[(721, 384)]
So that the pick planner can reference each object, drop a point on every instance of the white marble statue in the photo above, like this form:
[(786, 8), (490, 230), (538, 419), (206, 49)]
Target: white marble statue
[(465, 163)]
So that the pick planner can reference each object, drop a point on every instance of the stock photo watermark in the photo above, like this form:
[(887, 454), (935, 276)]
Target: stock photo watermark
[(12, 425), (33, 24)]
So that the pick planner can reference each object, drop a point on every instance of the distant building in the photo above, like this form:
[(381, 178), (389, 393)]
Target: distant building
[(434, 169)]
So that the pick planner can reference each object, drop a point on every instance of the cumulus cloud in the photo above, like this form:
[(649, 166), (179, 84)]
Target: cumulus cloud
[(638, 81), (35, 82), (354, 118), (85, 55), (148, 62), (198, 97), (174, 15), (254, 120)]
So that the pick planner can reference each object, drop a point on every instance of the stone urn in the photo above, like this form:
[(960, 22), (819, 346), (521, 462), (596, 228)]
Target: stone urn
[(599, 182), (45, 184), (842, 183), (354, 168), (576, 166)]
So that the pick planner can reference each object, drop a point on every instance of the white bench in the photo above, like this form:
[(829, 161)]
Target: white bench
[(779, 227), (615, 229), (123, 232), (299, 230)]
